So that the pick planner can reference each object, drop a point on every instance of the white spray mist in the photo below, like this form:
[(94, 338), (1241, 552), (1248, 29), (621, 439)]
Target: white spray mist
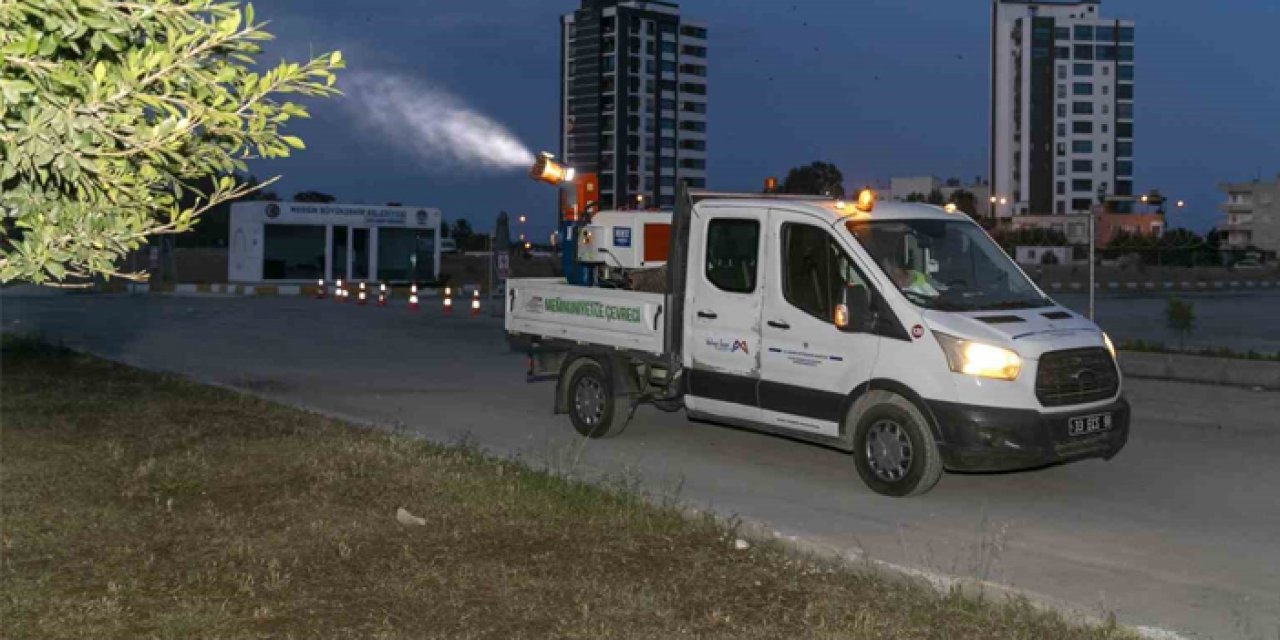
[(432, 123)]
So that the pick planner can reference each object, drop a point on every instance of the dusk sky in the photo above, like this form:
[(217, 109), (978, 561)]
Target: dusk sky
[(881, 88)]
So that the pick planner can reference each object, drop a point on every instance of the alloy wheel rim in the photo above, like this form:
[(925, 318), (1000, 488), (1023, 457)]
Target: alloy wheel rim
[(889, 451), (589, 401)]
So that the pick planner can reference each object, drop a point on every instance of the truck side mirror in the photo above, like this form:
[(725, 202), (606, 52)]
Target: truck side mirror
[(853, 313)]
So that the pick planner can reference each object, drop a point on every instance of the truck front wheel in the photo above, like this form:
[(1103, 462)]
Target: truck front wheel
[(894, 450), (594, 408)]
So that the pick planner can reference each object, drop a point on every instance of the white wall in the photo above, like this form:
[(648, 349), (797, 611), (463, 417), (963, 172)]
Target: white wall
[(248, 219)]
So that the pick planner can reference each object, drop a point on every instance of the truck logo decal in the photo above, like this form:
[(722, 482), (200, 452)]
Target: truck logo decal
[(727, 346), (804, 358), (622, 236), (591, 309)]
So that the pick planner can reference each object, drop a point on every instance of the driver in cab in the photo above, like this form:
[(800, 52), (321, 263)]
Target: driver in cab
[(909, 279)]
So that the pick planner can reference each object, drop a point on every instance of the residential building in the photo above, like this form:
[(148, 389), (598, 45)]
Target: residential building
[(904, 187), (1062, 96), (1075, 226), (633, 99), (1253, 215)]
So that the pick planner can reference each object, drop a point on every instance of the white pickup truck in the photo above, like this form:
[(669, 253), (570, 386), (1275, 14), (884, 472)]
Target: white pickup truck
[(900, 333)]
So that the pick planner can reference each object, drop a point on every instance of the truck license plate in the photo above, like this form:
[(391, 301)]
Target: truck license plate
[(1085, 425)]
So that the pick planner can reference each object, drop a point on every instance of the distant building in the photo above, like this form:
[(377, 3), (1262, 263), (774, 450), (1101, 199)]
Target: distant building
[(1253, 215), (302, 242), (1062, 81), (1075, 226), (900, 189), (633, 99)]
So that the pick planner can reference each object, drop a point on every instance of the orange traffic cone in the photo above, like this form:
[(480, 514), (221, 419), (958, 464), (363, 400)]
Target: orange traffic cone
[(320, 292), (413, 297), (362, 299), (382, 294), (475, 302), (339, 292), (448, 300)]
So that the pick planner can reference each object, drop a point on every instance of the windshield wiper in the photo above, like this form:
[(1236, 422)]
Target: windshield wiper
[(937, 304), (918, 297)]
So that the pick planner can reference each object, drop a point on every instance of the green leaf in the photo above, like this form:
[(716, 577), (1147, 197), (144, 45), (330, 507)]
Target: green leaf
[(94, 159)]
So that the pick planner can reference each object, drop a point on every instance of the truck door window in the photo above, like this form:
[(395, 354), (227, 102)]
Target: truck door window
[(814, 270), (733, 247)]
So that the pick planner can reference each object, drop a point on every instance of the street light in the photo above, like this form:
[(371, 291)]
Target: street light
[(523, 218)]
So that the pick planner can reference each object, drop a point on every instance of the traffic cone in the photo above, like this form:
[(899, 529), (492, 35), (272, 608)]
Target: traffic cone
[(475, 302), (448, 300), (362, 298), (339, 292), (320, 292), (382, 294), (413, 297)]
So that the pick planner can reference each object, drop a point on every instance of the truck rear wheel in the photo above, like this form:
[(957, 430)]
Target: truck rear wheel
[(895, 451), (594, 408)]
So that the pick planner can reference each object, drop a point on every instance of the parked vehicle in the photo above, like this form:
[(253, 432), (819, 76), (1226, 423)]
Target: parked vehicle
[(898, 332)]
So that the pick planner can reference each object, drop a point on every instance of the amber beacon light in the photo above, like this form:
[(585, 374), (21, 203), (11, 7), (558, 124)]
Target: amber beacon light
[(866, 201)]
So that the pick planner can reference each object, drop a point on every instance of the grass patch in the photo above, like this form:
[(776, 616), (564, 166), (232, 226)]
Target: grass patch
[(137, 505), (1145, 346)]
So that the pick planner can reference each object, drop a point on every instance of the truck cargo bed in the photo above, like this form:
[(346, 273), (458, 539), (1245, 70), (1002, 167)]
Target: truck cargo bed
[(551, 308)]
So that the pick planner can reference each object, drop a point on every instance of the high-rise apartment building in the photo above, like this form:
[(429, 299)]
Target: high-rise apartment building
[(1062, 80), (1253, 214), (633, 99)]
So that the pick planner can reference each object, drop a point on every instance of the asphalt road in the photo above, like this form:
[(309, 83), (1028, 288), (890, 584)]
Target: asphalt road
[(1180, 532)]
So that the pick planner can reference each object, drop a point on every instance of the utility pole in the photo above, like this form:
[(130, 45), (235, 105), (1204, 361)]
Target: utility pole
[(1093, 241), (1093, 216)]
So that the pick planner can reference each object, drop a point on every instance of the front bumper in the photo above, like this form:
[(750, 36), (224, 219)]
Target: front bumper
[(976, 438)]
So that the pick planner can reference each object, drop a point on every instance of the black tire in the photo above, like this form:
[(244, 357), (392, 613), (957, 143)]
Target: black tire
[(894, 450), (594, 408)]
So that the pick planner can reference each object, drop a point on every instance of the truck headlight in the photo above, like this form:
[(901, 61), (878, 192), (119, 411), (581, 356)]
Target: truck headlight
[(1106, 339), (979, 359)]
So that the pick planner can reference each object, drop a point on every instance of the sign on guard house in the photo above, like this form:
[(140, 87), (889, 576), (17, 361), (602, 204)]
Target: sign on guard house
[(307, 241)]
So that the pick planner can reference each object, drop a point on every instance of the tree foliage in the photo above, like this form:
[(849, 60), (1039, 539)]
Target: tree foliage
[(313, 196), (1180, 316), (965, 201), (1011, 239), (114, 113), (818, 179)]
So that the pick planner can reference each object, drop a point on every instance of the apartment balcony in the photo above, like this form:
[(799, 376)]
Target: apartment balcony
[(1239, 226), (1236, 206)]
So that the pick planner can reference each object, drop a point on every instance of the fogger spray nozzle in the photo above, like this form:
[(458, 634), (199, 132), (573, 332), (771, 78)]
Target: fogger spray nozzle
[(546, 169)]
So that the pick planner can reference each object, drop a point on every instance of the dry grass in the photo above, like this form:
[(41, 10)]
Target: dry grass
[(139, 506)]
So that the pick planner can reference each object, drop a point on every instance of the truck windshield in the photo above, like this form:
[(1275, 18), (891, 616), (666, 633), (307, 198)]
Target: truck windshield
[(948, 265)]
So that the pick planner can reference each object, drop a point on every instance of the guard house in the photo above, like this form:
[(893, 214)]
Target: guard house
[(305, 241)]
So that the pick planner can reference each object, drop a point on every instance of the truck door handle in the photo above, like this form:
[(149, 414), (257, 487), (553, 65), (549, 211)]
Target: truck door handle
[(708, 315), (777, 324)]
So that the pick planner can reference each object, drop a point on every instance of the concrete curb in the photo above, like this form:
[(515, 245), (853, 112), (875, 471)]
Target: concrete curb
[(1254, 374), (1166, 285), (268, 290)]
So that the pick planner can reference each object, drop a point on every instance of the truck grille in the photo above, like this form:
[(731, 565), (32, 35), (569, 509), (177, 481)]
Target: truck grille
[(1076, 376)]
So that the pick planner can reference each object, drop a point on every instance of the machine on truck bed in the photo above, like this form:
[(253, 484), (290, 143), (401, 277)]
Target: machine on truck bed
[(900, 333)]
